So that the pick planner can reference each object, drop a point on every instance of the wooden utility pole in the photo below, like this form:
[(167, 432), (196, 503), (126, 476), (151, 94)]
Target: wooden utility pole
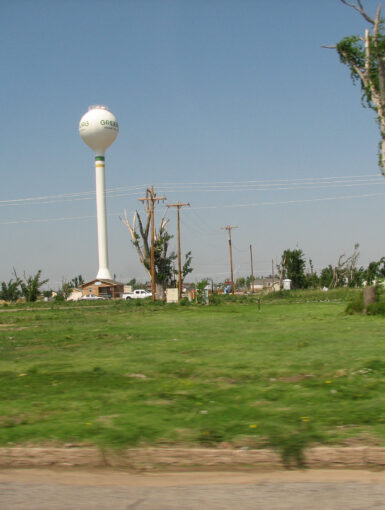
[(151, 199), (229, 229), (283, 263), (178, 205), (252, 269)]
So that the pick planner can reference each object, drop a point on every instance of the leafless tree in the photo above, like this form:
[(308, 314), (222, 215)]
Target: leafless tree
[(344, 271)]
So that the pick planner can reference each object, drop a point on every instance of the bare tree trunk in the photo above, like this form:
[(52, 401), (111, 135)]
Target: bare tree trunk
[(335, 278), (142, 251), (139, 232), (370, 296), (382, 149), (159, 290)]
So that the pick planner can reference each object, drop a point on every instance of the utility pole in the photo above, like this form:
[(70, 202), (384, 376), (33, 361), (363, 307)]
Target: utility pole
[(252, 270), (151, 199), (229, 229), (178, 205)]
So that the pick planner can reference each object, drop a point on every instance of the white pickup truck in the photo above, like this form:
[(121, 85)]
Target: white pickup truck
[(137, 294)]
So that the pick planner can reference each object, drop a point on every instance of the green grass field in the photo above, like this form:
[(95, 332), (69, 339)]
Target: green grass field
[(115, 374)]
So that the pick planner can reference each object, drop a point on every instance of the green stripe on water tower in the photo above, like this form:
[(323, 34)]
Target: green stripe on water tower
[(99, 158)]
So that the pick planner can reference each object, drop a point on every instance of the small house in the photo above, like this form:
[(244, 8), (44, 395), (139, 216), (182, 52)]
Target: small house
[(103, 288), (268, 283)]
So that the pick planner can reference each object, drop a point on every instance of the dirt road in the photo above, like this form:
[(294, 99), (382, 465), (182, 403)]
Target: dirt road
[(43, 489)]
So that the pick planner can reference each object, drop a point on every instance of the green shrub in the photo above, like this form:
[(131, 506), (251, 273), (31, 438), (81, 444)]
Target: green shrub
[(377, 308), (214, 299), (313, 295), (356, 306), (292, 444)]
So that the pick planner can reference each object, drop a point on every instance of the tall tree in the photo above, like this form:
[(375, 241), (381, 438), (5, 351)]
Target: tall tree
[(31, 285), (346, 271), (10, 291), (327, 275), (374, 271), (186, 268), (140, 235), (293, 267), (365, 58), (311, 277), (77, 281)]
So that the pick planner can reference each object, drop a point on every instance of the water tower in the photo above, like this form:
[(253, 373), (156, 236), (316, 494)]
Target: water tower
[(99, 129)]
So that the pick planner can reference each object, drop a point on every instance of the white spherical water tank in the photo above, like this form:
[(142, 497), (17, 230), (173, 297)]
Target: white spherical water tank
[(99, 129)]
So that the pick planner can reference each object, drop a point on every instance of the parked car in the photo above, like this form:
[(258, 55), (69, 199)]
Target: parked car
[(137, 294)]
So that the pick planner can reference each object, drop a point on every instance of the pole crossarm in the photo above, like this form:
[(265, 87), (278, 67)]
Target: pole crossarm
[(151, 196), (178, 206), (151, 199), (229, 228)]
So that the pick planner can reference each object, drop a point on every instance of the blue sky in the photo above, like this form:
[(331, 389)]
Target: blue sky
[(216, 92)]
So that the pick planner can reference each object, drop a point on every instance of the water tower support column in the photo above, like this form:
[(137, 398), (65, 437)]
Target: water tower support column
[(99, 129), (101, 214)]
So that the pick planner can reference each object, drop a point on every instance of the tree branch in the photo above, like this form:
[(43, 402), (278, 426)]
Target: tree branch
[(132, 230), (359, 8), (357, 69), (367, 52), (127, 224), (144, 234)]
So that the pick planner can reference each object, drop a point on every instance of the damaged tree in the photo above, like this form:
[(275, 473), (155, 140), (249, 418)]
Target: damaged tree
[(164, 272), (365, 57), (163, 263), (345, 272)]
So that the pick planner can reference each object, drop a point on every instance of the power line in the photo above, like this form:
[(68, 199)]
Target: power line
[(263, 181), (65, 195), (46, 220), (19, 203), (271, 188), (251, 185), (110, 195), (226, 206), (203, 226), (288, 202)]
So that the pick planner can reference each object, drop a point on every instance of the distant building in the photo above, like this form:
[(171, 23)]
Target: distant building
[(103, 288), (265, 284), (75, 295)]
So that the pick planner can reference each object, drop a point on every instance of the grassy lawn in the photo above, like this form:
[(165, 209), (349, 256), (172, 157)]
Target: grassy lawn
[(126, 373)]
